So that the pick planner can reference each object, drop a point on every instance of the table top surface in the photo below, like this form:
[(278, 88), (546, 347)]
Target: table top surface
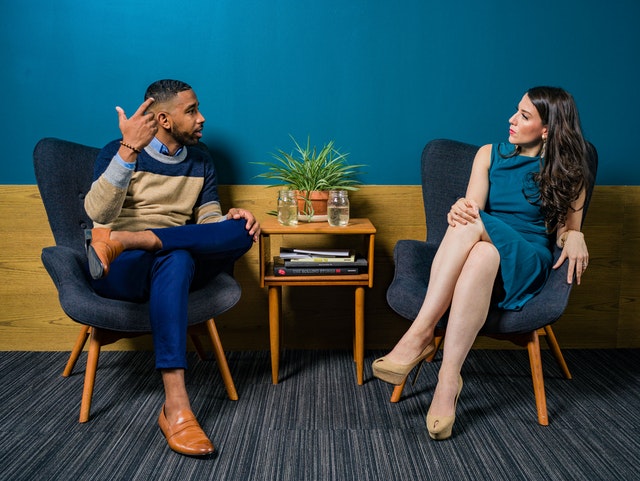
[(270, 225)]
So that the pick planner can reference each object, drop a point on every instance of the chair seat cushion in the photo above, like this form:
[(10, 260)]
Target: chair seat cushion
[(406, 293), (80, 302)]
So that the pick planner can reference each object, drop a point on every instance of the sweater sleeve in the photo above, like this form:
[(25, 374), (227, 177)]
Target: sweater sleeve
[(106, 196), (208, 208)]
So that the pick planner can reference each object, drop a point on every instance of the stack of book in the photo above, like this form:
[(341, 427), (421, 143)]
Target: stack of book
[(318, 262)]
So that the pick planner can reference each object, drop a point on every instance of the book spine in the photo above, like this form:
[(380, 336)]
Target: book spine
[(320, 253), (313, 265), (314, 271), (321, 260)]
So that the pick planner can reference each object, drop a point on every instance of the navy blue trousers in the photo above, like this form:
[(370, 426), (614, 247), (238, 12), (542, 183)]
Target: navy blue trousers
[(190, 256)]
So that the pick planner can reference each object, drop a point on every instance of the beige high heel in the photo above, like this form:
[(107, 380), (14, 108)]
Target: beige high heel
[(395, 373), (440, 427)]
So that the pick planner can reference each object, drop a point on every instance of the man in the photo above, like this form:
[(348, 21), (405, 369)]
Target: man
[(159, 231)]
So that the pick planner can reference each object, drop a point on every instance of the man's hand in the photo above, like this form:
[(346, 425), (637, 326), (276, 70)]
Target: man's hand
[(253, 226), (140, 128)]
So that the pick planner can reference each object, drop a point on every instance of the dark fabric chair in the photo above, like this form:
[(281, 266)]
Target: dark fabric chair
[(64, 172), (446, 166)]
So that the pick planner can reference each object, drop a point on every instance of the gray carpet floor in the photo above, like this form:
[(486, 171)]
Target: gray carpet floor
[(318, 424)]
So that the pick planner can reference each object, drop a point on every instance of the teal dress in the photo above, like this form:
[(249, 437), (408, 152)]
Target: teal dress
[(516, 227)]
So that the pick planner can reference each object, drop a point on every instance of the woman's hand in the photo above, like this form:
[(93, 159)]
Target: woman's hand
[(575, 250), (463, 212), (253, 226)]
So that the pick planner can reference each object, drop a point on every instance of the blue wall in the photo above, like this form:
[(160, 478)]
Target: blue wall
[(379, 77)]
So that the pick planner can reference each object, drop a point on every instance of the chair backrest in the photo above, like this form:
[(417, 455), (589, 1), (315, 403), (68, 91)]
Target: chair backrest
[(64, 172), (446, 167)]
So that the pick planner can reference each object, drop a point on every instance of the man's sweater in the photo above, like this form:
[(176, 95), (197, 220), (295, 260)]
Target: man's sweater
[(160, 191)]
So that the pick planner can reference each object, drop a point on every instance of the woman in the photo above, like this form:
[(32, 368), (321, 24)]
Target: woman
[(498, 246)]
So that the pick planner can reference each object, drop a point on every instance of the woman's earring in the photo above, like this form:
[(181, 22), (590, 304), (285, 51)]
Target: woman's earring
[(544, 145)]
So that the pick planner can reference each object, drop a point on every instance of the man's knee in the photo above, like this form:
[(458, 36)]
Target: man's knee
[(239, 235)]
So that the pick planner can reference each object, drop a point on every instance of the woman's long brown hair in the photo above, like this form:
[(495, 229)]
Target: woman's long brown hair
[(564, 171)]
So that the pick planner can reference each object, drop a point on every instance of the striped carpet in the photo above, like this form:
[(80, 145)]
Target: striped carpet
[(317, 424)]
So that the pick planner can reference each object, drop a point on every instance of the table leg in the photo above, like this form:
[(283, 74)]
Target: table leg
[(275, 298), (359, 334)]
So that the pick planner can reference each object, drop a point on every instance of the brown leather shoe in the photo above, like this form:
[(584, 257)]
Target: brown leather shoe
[(101, 251), (185, 436)]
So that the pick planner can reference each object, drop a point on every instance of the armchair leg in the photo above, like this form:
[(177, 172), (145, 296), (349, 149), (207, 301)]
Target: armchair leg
[(90, 374), (535, 359), (555, 349), (397, 391), (77, 349), (358, 336), (202, 354), (222, 360)]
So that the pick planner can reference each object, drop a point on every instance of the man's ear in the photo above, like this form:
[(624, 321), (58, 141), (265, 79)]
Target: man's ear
[(163, 120)]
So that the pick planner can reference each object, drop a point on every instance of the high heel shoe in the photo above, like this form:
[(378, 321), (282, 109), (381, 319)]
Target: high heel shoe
[(395, 373), (440, 427)]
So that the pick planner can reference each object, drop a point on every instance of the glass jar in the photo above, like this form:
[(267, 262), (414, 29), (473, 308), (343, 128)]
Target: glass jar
[(288, 207), (338, 208)]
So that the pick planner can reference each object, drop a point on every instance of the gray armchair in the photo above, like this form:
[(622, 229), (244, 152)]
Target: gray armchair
[(446, 166), (64, 172)]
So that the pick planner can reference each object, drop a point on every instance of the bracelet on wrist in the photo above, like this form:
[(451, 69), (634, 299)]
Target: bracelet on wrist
[(137, 151)]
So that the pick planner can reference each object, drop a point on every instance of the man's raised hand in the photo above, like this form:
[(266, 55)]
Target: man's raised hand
[(139, 129)]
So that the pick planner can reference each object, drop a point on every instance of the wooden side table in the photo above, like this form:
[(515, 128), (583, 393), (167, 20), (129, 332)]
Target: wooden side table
[(270, 227)]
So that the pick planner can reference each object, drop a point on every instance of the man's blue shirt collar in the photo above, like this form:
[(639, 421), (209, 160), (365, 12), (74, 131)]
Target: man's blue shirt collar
[(160, 147)]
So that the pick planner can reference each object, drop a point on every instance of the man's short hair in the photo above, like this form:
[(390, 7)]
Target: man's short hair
[(164, 90)]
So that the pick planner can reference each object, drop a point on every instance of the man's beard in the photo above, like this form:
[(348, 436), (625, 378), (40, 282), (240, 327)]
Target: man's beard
[(184, 138)]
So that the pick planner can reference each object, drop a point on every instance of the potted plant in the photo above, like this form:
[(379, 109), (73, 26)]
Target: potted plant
[(312, 173)]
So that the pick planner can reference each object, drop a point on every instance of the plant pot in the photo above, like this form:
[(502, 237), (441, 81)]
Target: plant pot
[(318, 200)]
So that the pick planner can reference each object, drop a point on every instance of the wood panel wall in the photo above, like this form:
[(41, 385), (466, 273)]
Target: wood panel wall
[(603, 311)]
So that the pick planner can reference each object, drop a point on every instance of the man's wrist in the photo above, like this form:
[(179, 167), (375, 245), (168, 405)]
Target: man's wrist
[(125, 163), (130, 147)]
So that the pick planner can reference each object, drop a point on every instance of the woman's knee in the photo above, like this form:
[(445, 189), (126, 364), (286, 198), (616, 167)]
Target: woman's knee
[(465, 233), (485, 254)]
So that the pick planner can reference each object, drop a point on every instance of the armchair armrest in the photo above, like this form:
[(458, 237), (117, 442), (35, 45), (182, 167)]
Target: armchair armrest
[(65, 267), (412, 260), (543, 309)]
